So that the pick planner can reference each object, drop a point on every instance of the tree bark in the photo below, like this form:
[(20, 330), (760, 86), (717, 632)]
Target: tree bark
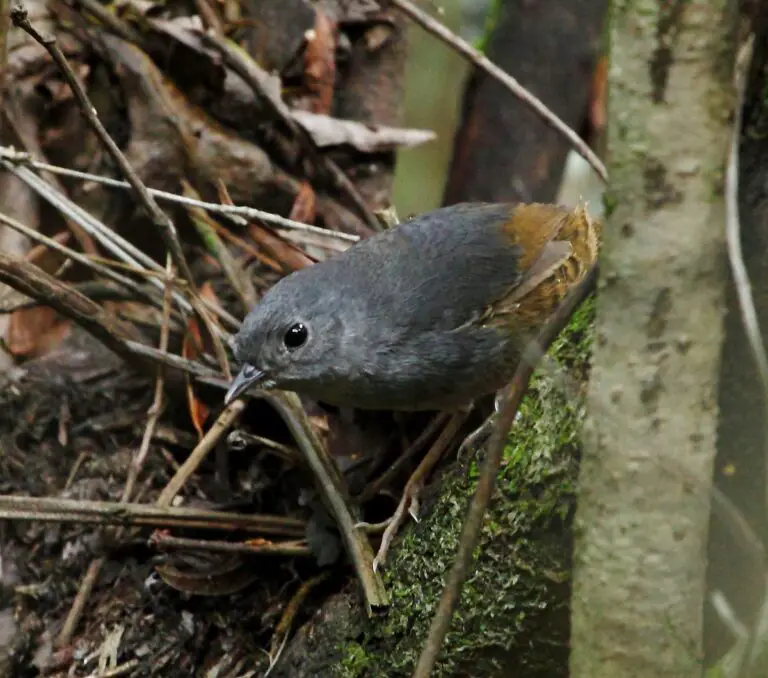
[(646, 472), (503, 150)]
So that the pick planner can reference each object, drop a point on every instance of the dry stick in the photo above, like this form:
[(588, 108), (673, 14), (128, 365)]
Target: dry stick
[(329, 480), (36, 283), (212, 436), (159, 218), (55, 510), (244, 66), (290, 612), (471, 54), (334, 493), (80, 258), (238, 279), (733, 237), (165, 542), (473, 525), (167, 230), (94, 569), (109, 330), (108, 238), (16, 158)]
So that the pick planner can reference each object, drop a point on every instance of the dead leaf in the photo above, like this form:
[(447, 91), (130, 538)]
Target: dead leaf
[(320, 62), (328, 131), (288, 254), (304, 207), (35, 331), (46, 258), (192, 348)]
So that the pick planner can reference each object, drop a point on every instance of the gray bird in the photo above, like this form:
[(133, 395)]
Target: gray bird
[(430, 314)]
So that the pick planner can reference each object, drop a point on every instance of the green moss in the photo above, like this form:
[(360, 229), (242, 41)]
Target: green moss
[(513, 610)]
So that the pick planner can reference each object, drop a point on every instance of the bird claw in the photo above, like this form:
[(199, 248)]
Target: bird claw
[(413, 508), (476, 436)]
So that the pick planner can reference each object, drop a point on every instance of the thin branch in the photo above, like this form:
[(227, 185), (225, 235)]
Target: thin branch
[(80, 258), (334, 493), (160, 219), (96, 565), (156, 407), (36, 283), (54, 510), (473, 525), (164, 542), (14, 157), (109, 239), (744, 291), (228, 417), (471, 54), (20, 19), (733, 236)]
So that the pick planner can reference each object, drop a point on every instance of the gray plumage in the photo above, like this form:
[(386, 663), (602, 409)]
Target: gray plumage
[(393, 322)]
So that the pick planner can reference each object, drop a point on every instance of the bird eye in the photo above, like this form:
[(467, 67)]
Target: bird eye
[(295, 336)]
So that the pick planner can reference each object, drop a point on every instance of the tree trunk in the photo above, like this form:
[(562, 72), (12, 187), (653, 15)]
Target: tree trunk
[(503, 150), (646, 473)]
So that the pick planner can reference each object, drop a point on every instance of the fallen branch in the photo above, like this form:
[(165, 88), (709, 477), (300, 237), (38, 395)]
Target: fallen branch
[(53, 510)]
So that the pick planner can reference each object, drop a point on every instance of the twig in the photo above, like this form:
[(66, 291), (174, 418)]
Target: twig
[(55, 510), (36, 283), (212, 436), (245, 67), (471, 54), (334, 493), (733, 236), (94, 569), (283, 628), (167, 230), (238, 279), (470, 536), (80, 258), (108, 238), (157, 402), (159, 218), (78, 604), (16, 158), (164, 542)]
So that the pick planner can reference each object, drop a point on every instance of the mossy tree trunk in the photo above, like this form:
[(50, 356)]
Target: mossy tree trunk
[(646, 472)]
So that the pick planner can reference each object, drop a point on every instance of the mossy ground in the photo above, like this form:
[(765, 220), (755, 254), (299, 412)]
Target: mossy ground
[(514, 610)]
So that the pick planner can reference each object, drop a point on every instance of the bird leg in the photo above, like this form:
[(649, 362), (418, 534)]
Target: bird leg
[(410, 499), (484, 430)]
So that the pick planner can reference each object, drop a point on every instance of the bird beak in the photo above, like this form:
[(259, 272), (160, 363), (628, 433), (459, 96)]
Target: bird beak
[(247, 377)]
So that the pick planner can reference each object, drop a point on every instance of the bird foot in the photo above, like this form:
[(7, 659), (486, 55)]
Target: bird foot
[(409, 502)]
